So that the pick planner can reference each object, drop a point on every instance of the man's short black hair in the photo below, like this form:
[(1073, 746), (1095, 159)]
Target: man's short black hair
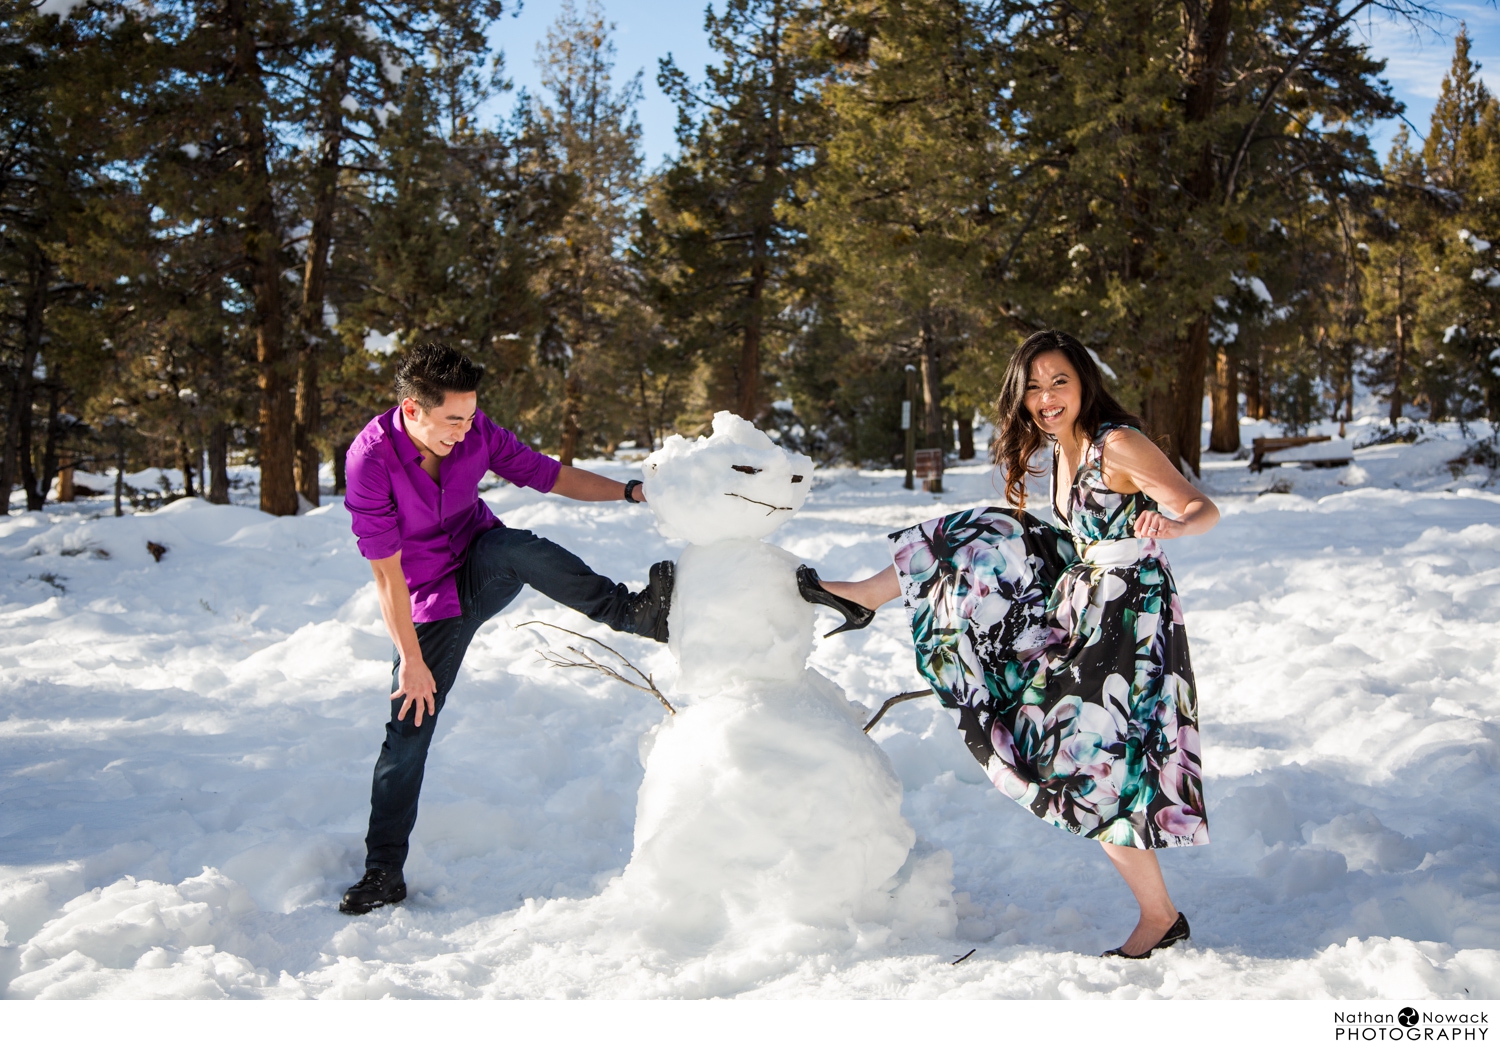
[(429, 372)]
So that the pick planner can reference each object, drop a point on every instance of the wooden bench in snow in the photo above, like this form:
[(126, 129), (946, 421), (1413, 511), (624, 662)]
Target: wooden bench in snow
[(1317, 450)]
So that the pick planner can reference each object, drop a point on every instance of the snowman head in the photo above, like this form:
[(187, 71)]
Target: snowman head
[(736, 485)]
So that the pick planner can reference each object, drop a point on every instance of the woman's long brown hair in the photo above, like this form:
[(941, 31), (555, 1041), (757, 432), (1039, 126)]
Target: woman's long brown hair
[(1017, 437)]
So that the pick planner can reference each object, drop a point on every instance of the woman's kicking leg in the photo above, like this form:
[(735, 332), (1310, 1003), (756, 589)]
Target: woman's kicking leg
[(871, 593)]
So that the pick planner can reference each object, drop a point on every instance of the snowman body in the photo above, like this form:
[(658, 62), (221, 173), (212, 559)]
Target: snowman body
[(763, 803)]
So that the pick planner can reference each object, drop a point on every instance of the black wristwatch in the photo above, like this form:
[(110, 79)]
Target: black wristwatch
[(630, 487)]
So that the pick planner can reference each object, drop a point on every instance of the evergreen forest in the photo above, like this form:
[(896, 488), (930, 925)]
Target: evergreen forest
[(221, 219)]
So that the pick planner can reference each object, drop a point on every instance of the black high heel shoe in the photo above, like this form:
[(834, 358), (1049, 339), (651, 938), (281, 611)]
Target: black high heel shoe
[(856, 616), (1179, 931)]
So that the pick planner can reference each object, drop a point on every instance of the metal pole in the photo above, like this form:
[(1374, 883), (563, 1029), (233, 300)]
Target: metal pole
[(119, 467), (908, 423)]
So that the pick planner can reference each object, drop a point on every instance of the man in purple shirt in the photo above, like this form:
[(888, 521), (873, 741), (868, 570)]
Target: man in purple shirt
[(444, 564)]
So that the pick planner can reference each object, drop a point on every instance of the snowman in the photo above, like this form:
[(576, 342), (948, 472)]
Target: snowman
[(764, 806)]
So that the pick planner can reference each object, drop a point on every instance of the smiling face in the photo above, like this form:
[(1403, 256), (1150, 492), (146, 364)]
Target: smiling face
[(1054, 396), (736, 485), (439, 429)]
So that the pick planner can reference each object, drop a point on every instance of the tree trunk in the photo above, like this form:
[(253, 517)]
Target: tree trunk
[(18, 419), (932, 388), (1437, 402), (1194, 363), (748, 401), (307, 421), (1180, 420), (262, 244), (185, 464), (315, 279), (119, 467), (218, 463), (1348, 383), (570, 428), (645, 432), (65, 490), (24, 456), (1400, 340), (1174, 412), (1225, 434), (49, 450), (1254, 395), (966, 435), (340, 479)]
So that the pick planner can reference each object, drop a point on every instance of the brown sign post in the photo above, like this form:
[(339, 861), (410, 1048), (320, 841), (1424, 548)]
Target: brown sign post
[(930, 468)]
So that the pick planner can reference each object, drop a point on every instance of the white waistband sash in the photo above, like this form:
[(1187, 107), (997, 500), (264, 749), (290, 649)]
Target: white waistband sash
[(1112, 554)]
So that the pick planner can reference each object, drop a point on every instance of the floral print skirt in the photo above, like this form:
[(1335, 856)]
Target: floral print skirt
[(1070, 675)]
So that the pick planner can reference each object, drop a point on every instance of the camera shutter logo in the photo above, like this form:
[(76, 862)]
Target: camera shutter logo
[(1407, 1017)]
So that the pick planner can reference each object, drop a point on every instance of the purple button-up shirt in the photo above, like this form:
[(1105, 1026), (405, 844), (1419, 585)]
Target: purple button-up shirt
[(396, 506)]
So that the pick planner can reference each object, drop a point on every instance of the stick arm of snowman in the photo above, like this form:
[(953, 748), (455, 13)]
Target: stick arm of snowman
[(588, 487)]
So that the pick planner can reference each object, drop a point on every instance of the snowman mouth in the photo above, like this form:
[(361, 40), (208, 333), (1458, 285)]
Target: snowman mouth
[(772, 508)]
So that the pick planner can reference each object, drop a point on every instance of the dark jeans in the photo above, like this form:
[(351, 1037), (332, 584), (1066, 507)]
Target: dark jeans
[(498, 563)]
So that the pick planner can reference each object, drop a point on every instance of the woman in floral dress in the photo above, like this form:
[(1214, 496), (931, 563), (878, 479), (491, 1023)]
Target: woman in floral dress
[(1063, 650)]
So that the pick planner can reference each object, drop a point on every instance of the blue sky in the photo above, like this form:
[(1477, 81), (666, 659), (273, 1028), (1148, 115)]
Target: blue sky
[(647, 30)]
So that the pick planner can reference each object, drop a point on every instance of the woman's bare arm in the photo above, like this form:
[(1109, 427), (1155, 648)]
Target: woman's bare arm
[(1133, 463)]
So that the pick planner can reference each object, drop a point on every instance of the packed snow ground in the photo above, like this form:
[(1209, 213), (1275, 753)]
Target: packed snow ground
[(186, 748)]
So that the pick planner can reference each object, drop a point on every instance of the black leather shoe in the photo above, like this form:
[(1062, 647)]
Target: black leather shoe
[(377, 888), (648, 609), (1178, 932), (856, 616)]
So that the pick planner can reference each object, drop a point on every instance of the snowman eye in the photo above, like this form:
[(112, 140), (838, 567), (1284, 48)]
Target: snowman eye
[(745, 470), (796, 479)]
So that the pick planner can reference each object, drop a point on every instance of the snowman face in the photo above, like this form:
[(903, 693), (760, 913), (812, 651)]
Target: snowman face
[(736, 485)]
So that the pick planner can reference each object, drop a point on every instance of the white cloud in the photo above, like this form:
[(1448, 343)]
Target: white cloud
[(1418, 58)]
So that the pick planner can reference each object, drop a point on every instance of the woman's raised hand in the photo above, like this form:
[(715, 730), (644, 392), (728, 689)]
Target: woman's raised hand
[(1152, 525)]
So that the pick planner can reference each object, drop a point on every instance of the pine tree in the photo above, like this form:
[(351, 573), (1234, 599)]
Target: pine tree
[(352, 75), (441, 239), (57, 74), (1396, 233), (730, 204), (588, 291), (1460, 310), (910, 239)]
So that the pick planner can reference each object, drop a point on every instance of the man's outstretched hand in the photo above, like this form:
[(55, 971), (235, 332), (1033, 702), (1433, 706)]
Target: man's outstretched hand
[(415, 682)]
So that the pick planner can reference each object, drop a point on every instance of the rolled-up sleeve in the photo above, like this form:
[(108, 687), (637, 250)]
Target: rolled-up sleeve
[(371, 501), (520, 464)]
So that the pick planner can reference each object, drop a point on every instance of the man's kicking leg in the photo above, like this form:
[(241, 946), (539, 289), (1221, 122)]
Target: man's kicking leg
[(502, 560), (498, 564)]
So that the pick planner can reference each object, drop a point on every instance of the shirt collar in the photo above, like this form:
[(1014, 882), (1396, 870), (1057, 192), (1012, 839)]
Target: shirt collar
[(401, 441)]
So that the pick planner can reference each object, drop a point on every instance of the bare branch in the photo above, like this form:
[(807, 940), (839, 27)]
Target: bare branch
[(892, 702), (773, 509), (1322, 33), (647, 683)]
